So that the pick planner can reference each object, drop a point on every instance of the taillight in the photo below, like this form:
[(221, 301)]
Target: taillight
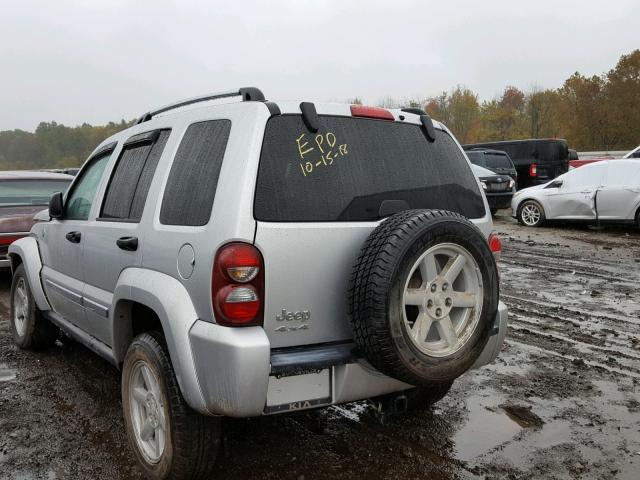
[(533, 170), (494, 244), (371, 112), (237, 287)]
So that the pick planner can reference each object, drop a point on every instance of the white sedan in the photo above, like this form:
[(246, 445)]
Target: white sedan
[(603, 191)]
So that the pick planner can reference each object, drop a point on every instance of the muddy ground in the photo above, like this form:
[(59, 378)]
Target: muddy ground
[(562, 401)]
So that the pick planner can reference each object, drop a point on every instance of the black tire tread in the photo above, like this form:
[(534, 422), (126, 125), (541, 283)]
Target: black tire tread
[(370, 282), (195, 437), (543, 216), (41, 333), (421, 398)]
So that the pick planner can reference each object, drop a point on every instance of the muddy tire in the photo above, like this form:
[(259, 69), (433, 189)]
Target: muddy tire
[(29, 328), (423, 296), (531, 214), (422, 398), (168, 438)]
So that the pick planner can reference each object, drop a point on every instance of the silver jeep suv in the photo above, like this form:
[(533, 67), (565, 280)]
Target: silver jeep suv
[(238, 257)]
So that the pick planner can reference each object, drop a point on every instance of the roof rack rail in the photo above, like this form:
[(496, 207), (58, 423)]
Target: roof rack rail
[(248, 94)]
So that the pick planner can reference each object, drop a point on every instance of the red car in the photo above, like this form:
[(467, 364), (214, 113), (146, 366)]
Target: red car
[(22, 195)]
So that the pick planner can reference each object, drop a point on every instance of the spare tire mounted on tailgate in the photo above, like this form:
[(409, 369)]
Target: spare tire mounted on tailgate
[(423, 297)]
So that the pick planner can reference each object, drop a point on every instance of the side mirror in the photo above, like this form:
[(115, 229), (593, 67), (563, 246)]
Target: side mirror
[(556, 184), (55, 205)]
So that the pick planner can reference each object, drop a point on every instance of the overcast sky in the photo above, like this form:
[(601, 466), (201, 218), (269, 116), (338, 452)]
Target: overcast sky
[(89, 61)]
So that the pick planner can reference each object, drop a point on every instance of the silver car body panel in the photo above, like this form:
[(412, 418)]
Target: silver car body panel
[(609, 189), (172, 304), (220, 370)]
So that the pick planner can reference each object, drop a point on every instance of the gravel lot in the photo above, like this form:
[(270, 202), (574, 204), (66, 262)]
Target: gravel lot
[(562, 401)]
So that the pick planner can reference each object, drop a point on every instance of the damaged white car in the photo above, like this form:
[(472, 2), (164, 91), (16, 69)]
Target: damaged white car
[(606, 191)]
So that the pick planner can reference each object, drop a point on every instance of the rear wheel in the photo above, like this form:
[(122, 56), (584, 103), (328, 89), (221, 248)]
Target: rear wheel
[(169, 439), (29, 328), (531, 214)]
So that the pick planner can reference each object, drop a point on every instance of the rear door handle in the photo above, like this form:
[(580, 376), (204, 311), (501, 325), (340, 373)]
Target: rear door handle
[(74, 237), (128, 243)]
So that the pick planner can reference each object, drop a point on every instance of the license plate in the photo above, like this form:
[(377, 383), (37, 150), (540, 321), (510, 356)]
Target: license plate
[(298, 392)]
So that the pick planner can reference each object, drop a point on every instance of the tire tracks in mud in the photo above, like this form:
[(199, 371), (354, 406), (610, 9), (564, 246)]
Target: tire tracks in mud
[(575, 304)]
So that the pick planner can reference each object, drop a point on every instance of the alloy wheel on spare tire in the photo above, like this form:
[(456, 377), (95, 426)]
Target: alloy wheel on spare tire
[(531, 214), (423, 296)]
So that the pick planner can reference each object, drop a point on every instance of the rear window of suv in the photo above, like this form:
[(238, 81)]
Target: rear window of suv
[(497, 161), (350, 166)]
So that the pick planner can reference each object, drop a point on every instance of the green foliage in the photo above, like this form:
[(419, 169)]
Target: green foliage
[(52, 145)]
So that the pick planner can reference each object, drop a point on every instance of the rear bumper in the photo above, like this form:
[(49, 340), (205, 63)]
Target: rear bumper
[(240, 376), (5, 262), (492, 349)]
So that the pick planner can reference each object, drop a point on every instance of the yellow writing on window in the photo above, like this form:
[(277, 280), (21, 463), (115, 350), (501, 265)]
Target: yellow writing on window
[(326, 144), (302, 147)]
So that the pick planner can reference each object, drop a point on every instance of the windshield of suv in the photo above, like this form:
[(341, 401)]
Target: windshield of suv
[(30, 192), (495, 160), (346, 170)]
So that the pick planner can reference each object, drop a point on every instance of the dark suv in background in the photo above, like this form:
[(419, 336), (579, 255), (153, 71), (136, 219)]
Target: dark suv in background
[(497, 161), (537, 161)]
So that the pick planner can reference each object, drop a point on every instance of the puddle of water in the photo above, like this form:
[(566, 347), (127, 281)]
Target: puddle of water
[(6, 374), (485, 429)]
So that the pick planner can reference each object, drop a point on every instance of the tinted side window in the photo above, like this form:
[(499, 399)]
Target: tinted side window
[(131, 178), (346, 170), (191, 187), (79, 201)]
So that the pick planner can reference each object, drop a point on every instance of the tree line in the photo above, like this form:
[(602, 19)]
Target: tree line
[(53, 145), (600, 112)]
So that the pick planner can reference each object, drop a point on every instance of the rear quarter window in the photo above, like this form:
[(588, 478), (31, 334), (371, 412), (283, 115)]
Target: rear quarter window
[(350, 166), (192, 183)]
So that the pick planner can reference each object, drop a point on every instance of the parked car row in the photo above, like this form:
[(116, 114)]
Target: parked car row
[(599, 191), (537, 160)]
